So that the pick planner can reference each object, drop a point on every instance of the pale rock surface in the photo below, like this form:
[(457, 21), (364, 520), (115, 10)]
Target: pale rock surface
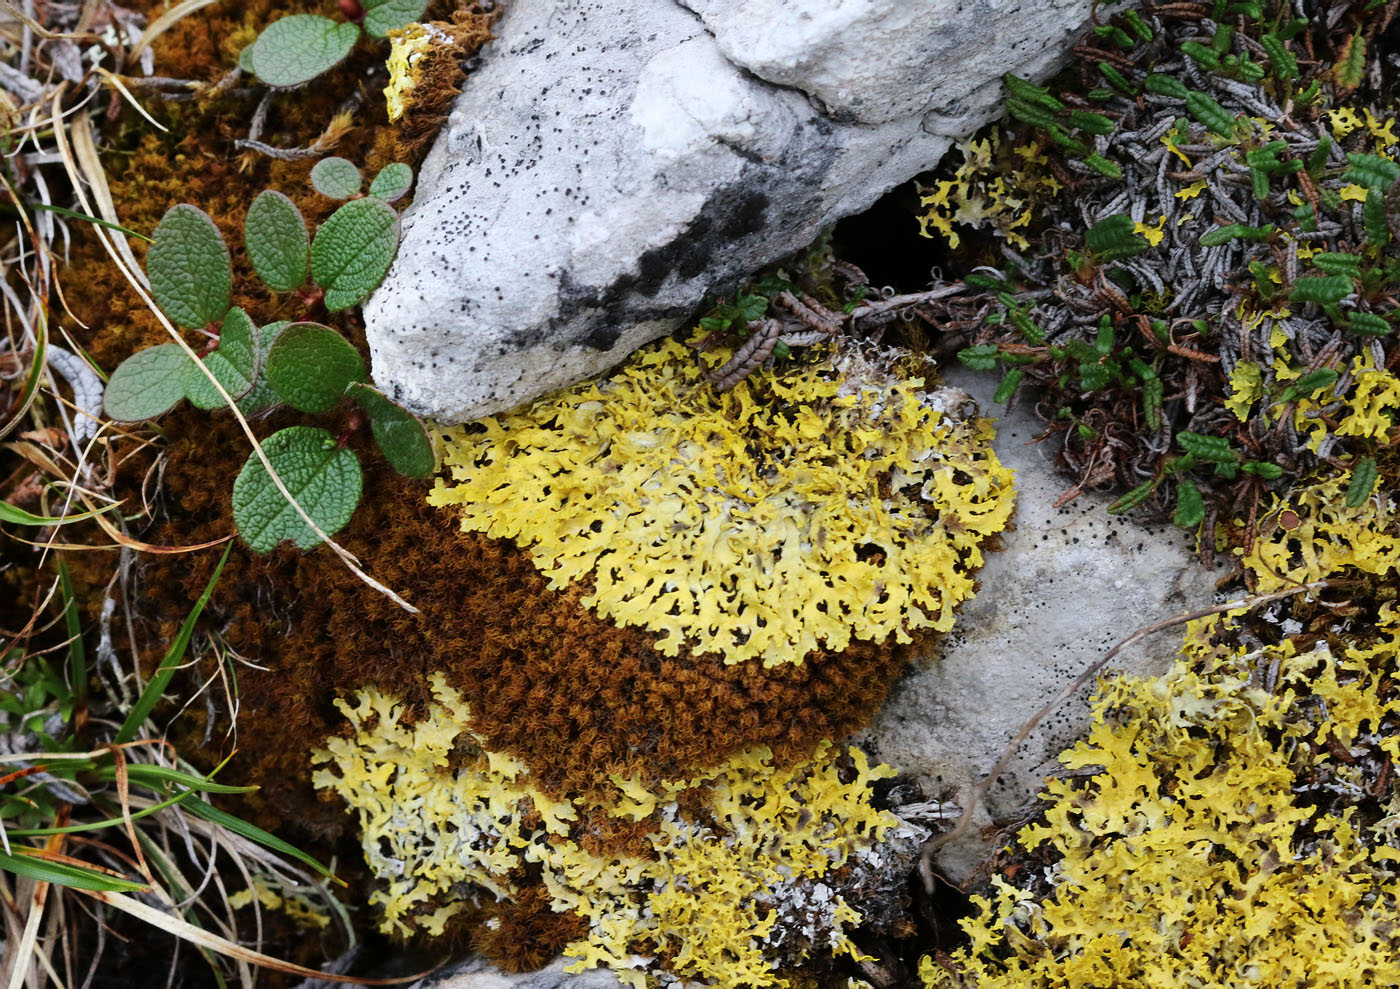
[(1069, 583), (480, 974), (610, 162)]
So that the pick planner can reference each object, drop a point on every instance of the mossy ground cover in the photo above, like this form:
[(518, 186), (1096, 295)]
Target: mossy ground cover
[(1199, 380)]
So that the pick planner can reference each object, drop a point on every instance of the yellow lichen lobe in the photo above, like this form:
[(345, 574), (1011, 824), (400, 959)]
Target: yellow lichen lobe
[(794, 511), (1228, 832), (442, 818), (407, 47)]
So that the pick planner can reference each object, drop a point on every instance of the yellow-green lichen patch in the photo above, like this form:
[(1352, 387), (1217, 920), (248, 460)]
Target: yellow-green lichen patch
[(1239, 821), (755, 873), (1314, 534), (795, 511)]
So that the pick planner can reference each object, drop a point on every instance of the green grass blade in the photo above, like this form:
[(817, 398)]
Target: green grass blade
[(154, 776), (237, 825), (110, 822), (63, 874), (37, 364), (146, 703), (73, 214), (18, 516), (77, 655)]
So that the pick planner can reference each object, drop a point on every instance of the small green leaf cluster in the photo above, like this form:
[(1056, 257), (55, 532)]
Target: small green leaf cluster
[(747, 307), (296, 49), (305, 365), (1069, 128), (1280, 156), (1200, 450), (1113, 239)]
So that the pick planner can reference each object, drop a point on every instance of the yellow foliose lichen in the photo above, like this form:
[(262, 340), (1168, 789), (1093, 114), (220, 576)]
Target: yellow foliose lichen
[(1313, 533), (981, 193), (797, 510), (407, 47), (1238, 825), (1372, 409), (752, 881)]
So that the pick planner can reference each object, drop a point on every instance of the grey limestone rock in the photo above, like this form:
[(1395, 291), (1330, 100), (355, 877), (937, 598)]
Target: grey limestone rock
[(480, 974), (610, 163), (1069, 583)]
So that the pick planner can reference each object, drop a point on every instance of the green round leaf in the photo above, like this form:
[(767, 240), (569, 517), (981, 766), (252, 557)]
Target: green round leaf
[(383, 16), (277, 241), (245, 59), (299, 48), (311, 365), (391, 182), (399, 433), (188, 264), (263, 397), (147, 383), (352, 251), (234, 364), (336, 178), (321, 475)]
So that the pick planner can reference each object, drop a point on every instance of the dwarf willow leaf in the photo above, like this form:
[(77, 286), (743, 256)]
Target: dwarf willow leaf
[(189, 267), (1372, 171), (1091, 123), (1325, 289), (1374, 219), (1190, 506), (1363, 482), (352, 251), (321, 475), (1368, 324), (1310, 383), (1134, 497), (1029, 92), (383, 16), (1031, 113), (263, 396), (1112, 238), (982, 357), (234, 364), (1165, 86), (311, 365), (147, 383), (297, 49), (277, 241), (1232, 231), (400, 435), (1351, 67), (1337, 263), (1281, 60), (336, 178), (1210, 113), (1215, 449), (392, 182)]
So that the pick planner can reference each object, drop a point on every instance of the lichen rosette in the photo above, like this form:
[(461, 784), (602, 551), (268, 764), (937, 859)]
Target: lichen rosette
[(831, 501)]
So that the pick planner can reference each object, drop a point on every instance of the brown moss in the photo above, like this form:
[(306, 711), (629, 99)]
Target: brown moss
[(572, 695), (525, 934), (426, 107), (197, 161)]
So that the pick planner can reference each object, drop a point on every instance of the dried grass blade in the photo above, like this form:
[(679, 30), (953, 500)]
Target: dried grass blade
[(204, 939)]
